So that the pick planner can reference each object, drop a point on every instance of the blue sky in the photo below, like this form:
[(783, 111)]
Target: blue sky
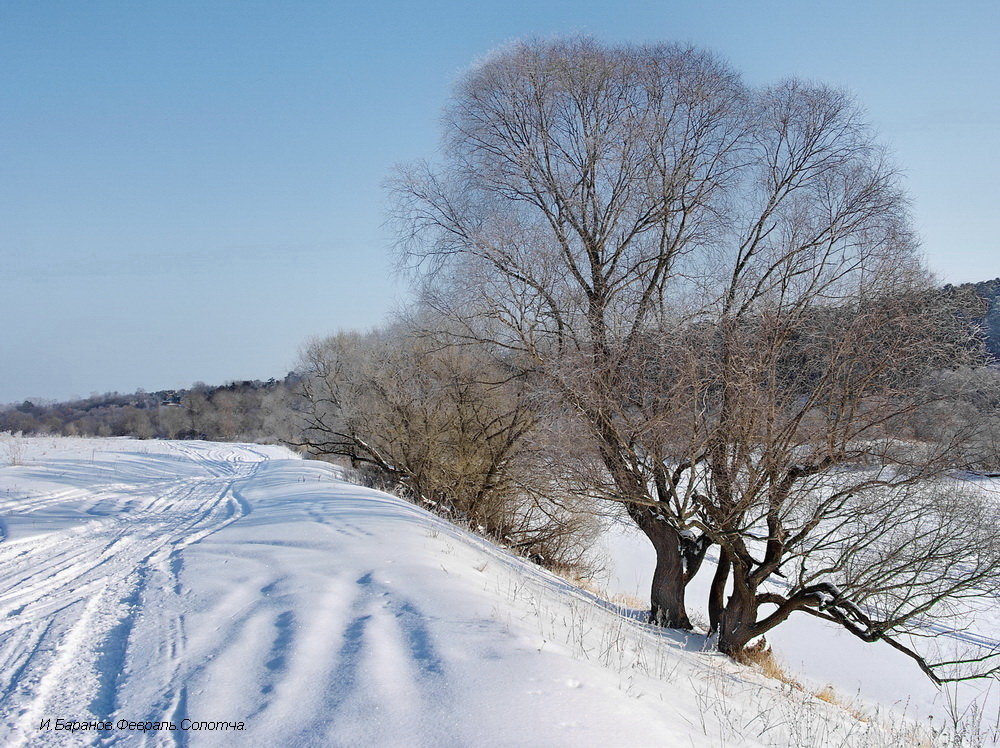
[(189, 190)]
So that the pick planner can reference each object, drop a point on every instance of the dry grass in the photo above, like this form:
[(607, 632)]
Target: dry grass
[(827, 694), (629, 601), (760, 657), (830, 696), (572, 575)]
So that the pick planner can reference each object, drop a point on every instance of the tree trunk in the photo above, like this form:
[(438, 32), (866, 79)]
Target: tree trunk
[(667, 594), (717, 593), (736, 622)]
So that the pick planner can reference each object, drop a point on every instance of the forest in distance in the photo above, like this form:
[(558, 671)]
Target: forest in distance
[(264, 410)]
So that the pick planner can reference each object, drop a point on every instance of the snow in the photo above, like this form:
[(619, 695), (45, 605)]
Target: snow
[(190, 581), (872, 677)]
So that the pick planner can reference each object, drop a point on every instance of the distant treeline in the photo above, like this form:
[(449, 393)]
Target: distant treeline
[(250, 410), (255, 410), (989, 292)]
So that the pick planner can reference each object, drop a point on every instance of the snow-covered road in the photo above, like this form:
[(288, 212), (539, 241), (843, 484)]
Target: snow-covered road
[(188, 583), (92, 564)]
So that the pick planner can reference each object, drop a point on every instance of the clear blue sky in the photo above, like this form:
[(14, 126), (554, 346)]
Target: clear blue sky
[(189, 190)]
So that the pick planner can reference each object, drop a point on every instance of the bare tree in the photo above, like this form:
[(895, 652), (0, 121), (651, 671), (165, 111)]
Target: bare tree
[(448, 426), (965, 395), (576, 176), (721, 285), (819, 496), (13, 447), (822, 326)]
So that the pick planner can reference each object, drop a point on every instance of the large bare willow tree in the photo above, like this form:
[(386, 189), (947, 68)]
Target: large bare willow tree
[(809, 479), (575, 177), (721, 285)]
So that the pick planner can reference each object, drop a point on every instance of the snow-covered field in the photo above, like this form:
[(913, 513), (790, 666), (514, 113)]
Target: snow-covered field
[(228, 586)]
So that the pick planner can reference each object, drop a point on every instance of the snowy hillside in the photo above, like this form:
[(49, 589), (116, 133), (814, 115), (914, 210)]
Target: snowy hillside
[(221, 587), (870, 677)]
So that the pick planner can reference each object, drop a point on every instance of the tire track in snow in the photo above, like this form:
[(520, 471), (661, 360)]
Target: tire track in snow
[(76, 596), (61, 564), (387, 663)]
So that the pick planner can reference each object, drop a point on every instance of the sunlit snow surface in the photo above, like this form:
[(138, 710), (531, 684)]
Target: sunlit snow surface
[(171, 581), (873, 677)]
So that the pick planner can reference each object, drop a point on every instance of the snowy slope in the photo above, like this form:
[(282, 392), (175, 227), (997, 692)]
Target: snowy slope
[(871, 677), (186, 582)]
